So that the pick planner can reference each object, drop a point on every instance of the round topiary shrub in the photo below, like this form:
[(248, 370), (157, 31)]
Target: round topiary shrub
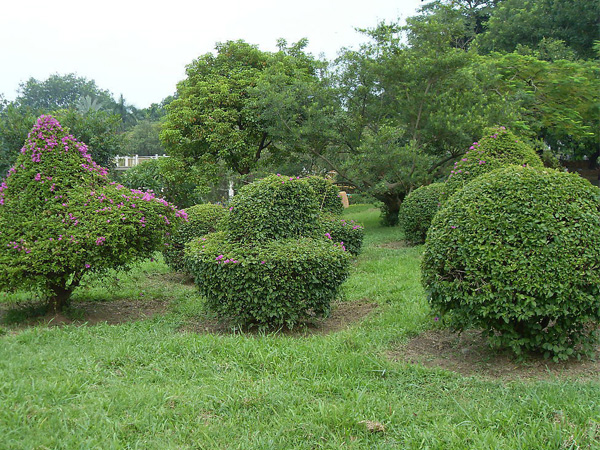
[(275, 207), (279, 283), (417, 211), (328, 195), (517, 253), (60, 217), (347, 233), (498, 148), (202, 219)]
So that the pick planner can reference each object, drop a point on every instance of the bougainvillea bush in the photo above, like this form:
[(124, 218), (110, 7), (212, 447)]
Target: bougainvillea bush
[(273, 265), (418, 209), (280, 283), (328, 195), (498, 148), (348, 233), (61, 217), (517, 253), (201, 220)]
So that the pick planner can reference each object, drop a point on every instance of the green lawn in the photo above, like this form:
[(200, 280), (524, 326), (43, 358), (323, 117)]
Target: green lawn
[(147, 385)]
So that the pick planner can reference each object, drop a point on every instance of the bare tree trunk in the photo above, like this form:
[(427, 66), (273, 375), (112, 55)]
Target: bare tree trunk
[(59, 298)]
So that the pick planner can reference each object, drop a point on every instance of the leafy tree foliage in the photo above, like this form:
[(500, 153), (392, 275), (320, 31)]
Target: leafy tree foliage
[(60, 217), (143, 139), (58, 92), (535, 23)]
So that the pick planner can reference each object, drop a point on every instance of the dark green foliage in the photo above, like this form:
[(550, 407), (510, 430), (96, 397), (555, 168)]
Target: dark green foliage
[(202, 219), (276, 207), (418, 209), (517, 253), (348, 233), (60, 217), (274, 265), (498, 148), (328, 195), (280, 283)]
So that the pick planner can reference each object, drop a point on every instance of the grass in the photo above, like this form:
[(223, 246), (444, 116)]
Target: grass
[(147, 385)]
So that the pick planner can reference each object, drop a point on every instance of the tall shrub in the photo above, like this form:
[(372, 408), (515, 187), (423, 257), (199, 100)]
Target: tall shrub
[(498, 148), (418, 209), (517, 253), (61, 217)]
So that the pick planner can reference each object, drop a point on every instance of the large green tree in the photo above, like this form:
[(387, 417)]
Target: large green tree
[(531, 23), (231, 106)]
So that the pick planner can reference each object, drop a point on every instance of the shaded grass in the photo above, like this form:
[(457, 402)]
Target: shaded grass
[(146, 385)]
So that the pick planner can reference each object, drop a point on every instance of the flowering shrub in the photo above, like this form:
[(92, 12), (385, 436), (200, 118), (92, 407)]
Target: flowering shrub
[(60, 217), (517, 253), (417, 211), (328, 195), (347, 233), (498, 148), (273, 264), (275, 207), (280, 283), (202, 219)]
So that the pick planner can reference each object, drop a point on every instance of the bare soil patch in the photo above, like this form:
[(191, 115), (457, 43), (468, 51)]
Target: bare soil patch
[(343, 315), (468, 354), (395, 244)]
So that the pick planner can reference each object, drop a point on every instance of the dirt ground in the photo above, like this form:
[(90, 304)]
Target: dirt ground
[(469, 354)]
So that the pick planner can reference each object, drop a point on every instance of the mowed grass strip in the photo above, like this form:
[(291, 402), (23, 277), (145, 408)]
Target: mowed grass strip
[(147, 385)]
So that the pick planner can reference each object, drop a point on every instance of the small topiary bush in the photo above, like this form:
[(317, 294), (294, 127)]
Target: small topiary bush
[(275, 207), (202, 219), (328, 195), (517, 253), (280, 283), (418, 209), (348, 233), (498, 148), (60, 217)]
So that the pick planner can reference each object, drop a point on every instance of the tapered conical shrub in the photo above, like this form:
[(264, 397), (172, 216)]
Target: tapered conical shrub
[(60, 217)]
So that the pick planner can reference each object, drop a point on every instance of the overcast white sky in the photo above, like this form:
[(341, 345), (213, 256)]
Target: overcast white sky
[(140, 48)]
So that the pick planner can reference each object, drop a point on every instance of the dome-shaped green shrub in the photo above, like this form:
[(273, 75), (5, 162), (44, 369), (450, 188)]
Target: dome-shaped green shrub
[(279, 283), (517, 253), (347, 233), (498, 148), (417, 211), (202, 219), (328, 195), (60, 217), (276, 207)]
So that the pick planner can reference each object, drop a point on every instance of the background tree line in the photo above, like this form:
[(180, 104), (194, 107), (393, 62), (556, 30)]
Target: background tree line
[(387, 117)]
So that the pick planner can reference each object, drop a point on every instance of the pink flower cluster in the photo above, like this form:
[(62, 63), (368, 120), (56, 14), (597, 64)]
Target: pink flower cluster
[(220, 260)]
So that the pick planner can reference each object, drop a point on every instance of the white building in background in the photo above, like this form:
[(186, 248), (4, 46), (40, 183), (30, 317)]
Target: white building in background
[(127, 162)]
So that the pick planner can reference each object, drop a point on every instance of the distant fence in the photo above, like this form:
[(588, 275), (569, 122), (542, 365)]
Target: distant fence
[(127, 162)]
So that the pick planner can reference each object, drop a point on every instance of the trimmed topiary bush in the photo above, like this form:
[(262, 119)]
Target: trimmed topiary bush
[(348, 233), (498, 148), (202, 219), (273, 265), (328, 195), (280, 283), (60, 217), (276, 207), (517, 253), (418, 209)]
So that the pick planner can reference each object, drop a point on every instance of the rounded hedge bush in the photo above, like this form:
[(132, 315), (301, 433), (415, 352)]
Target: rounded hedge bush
[(61, 217), (280, 283), (517, 253), (347, 233), (328, 195), (498, 148), (276, 207), (418, 209), (202, 219)]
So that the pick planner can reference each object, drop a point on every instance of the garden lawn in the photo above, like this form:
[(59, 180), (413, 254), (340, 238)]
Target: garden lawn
[(148, 385)]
